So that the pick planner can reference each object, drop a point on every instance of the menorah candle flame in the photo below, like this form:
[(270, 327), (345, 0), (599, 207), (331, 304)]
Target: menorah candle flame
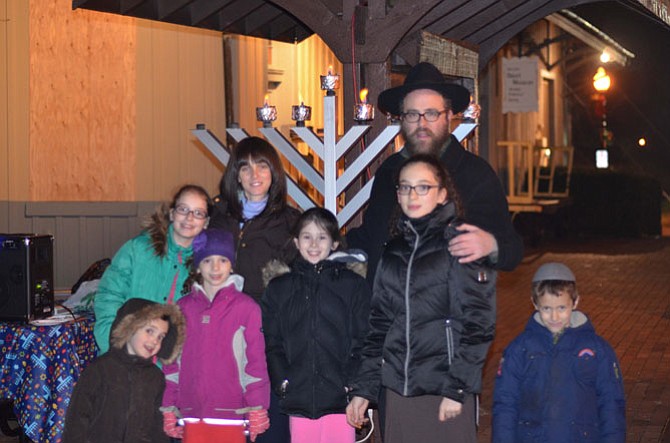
[(364, 111)]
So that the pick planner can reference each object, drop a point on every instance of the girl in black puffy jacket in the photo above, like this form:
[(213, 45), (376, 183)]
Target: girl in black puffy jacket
[(432, 320), (315, 317)]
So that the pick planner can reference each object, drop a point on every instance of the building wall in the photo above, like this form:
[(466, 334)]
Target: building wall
[(95, 113), (526, 126)]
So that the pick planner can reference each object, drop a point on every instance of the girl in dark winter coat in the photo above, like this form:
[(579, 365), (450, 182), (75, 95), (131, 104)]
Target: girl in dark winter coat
[(432, 319), (315, 320), (117, 398)]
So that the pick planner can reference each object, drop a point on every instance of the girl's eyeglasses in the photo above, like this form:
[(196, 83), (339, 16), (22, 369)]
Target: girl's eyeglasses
[(185, 211), (419, 189)]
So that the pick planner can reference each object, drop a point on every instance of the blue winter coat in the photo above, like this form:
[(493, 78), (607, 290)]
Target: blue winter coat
[(568, 391)]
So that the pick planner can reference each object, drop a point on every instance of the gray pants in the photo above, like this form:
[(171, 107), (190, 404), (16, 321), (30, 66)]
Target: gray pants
[(414, 420)]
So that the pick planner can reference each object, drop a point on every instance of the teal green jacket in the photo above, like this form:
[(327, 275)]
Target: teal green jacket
[(137, 271)]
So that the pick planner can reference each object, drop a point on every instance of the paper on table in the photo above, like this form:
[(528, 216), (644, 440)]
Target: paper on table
[(53, 320)]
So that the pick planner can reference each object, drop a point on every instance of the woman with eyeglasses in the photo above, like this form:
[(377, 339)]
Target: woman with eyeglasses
[(152, 265), (432, 319)]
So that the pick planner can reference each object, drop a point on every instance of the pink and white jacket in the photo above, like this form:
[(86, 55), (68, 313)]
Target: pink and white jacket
[(222, 371)]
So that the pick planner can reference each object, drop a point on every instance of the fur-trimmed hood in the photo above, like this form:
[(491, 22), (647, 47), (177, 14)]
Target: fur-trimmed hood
[(136, 312), (355, 260), (158, 225)]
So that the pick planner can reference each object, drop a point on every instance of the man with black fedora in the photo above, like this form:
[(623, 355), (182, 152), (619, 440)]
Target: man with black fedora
[(425, 104)]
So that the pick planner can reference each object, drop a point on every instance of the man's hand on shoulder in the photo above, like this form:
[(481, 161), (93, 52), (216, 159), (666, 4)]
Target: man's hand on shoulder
[(473, 244)]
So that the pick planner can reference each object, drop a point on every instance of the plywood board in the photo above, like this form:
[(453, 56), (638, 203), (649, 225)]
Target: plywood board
[(82, 104)]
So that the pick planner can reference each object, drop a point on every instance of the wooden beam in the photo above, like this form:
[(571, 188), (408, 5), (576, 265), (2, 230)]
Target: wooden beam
[(441, 10), (491, 20), (287, 28), (409, 48), (235, 12), (126, 6), (165, 8), (321, 19), (261, 18), (202, 9), (466, 12), (508, 25), (377, 9), (334, 6), (97, 5), (393, 27), (360, 20)]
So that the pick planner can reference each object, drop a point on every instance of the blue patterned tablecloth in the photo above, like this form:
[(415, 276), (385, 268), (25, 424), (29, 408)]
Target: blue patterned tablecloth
[(39, 367)]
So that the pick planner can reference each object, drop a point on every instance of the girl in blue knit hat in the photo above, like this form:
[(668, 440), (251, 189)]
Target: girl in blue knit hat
[(222, 372)]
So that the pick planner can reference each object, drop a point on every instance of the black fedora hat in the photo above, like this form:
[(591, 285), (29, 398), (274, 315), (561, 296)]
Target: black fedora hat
[(424, 76)]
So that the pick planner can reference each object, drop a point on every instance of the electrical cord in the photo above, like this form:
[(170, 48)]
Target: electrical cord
[(74, 317), (372, 428)]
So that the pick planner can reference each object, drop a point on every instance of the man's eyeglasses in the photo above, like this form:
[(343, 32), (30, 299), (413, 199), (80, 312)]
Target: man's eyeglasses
[(419, 189), (185, 211), (431, 115)]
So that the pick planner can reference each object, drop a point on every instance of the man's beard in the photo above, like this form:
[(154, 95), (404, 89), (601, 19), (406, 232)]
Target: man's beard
[(432, 146)]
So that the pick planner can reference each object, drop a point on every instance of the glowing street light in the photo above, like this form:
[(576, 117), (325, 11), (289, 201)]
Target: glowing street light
[(601, 81), (605, 56), (642, 142)]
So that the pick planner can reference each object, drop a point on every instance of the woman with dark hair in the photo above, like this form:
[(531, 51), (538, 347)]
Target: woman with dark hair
[(252, 205), (152, 266)]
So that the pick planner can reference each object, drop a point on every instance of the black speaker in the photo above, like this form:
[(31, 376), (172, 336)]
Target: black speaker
[(26, 276)]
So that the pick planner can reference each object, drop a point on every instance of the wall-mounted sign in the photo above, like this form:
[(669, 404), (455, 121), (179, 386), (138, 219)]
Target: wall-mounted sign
[(520, 84)]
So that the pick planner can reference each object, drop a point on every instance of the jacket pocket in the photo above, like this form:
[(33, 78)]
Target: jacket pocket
[(586, 366)]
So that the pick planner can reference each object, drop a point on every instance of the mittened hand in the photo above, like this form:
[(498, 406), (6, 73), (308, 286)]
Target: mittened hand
[(259, 422), (170, 425)]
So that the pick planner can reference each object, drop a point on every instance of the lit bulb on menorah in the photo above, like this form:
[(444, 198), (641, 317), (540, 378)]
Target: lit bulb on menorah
[(363, 111), (300, 113), (330, 82), (266, 114)]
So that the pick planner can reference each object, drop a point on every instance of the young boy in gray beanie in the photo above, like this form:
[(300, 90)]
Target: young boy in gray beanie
[(558, 381)]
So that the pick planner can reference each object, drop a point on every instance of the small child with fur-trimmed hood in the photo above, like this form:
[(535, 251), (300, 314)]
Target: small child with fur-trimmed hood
[(117, 398)]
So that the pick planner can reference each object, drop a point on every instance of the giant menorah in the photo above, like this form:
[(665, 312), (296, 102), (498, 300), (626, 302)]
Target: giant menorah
[(329, 150)]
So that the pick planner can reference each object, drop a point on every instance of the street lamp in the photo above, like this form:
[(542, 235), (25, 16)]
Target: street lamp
[(602, 83)]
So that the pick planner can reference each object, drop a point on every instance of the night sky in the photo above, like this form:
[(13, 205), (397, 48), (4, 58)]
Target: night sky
[(638, 103)]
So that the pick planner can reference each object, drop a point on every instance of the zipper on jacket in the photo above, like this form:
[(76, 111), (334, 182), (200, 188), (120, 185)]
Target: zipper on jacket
[(407, 308), (240, 235), (450, 341)]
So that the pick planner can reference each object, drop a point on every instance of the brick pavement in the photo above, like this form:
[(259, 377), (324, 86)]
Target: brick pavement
[(625, 290)]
